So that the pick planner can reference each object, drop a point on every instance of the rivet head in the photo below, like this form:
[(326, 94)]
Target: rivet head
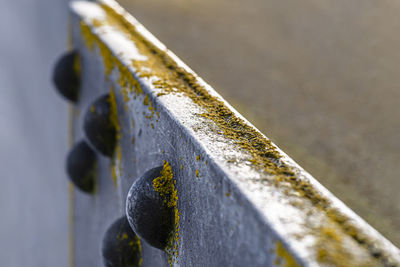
[(121, 247), (149, 216), (98, 126), (66, 76), (81, 167)]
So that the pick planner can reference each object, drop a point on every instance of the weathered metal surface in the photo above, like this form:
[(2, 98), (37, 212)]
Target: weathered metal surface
[(238, 203)]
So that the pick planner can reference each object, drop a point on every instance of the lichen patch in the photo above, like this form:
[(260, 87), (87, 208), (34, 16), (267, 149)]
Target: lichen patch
[(165, 186)]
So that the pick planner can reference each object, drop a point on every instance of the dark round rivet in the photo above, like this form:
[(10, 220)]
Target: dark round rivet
[(147, 213), (66, 76), (81, 167), (121, 246), (98, 126)]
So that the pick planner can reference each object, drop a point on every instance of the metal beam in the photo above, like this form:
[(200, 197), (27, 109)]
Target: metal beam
[(241, 200)]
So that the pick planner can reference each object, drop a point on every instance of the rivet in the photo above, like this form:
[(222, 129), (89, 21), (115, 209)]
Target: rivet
[(81, 167), (121, 247), (147, 213), (66, 76), (98, 127)]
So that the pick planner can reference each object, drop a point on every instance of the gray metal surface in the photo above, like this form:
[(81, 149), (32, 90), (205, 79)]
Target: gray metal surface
[(230, 215), (33, 134)]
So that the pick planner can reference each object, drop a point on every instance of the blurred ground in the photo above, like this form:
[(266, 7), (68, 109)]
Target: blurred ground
[(321, 78)]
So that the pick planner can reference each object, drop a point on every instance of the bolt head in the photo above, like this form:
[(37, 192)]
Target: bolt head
[(98, 127), (121, 246), (81, 167), (66, 76), (148, 215)]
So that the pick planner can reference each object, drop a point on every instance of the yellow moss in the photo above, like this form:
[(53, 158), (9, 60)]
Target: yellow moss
[(125, 94), (98, 23), (119, 156), (331, 249), (116, 165), (284, 257), (181, 166), (135, 244), (264, 155), (175, 79), (151, 109), (87, 35), (114, 113), (165, 186), (146, 100), (197, 173), (77, 65), (198, 157), (108, 59), (139, 246), (114, 176), (126, 79)]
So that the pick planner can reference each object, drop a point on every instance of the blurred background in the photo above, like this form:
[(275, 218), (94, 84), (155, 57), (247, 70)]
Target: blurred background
[(321, 78), (33, 134)]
